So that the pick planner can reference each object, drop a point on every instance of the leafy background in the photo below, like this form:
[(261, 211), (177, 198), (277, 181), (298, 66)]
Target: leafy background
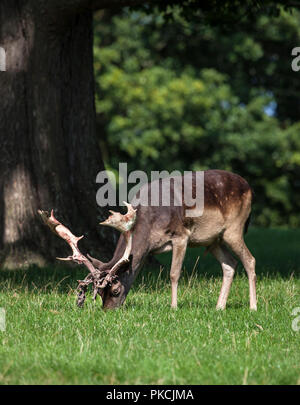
[(177, 94)]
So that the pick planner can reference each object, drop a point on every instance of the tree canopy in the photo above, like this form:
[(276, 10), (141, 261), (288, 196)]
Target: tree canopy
[(182, 95)]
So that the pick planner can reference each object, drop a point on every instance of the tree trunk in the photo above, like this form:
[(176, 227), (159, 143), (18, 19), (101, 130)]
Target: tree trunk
[(49, 155)]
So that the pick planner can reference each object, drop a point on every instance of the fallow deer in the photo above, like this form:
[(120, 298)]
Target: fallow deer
[(153, 229)]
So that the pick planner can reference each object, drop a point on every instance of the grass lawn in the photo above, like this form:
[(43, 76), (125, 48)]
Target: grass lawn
[(48, 340)]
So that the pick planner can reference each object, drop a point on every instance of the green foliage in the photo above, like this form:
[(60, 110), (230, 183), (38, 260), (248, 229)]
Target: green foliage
[(177, 96)]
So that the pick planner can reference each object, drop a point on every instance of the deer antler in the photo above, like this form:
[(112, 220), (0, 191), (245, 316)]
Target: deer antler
[(95, 276), (99, 279), (124, 223), (62, 231)]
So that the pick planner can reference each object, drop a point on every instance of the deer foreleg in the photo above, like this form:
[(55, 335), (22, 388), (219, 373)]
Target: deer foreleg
[(179, 249)]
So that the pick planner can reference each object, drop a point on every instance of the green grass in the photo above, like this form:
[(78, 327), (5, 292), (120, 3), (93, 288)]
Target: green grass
[(48, 340)]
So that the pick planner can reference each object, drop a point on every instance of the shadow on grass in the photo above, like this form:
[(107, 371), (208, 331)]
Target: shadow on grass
[(62, 279), (276, 252)]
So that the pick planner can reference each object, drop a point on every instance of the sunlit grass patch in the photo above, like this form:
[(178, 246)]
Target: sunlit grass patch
[(48, 340)]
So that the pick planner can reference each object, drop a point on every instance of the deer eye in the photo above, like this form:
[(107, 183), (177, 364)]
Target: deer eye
[(116, 291)]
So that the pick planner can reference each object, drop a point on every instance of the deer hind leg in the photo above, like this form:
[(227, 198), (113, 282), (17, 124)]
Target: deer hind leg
[(179, 249), (228, 264), (235, 242)]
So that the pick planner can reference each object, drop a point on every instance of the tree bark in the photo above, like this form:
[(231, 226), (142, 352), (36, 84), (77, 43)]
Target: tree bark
[(49, 155)]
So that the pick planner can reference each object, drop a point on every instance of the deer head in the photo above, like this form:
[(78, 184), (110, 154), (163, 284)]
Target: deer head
[(105, 281)]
